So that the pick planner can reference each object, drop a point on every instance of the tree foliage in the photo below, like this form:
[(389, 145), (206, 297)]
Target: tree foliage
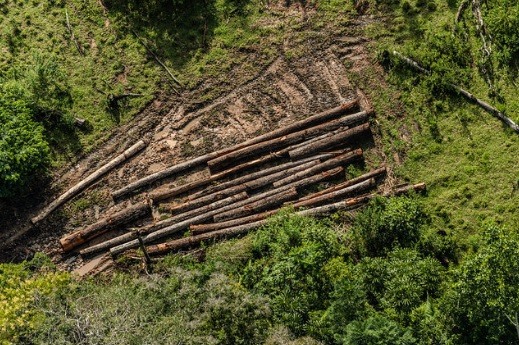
[(23, 149)]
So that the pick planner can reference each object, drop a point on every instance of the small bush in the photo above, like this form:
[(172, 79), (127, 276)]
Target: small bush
[(23, 149), (386, 224)]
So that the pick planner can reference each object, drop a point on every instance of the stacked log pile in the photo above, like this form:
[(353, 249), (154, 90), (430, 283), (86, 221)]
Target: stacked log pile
[(246, 183)]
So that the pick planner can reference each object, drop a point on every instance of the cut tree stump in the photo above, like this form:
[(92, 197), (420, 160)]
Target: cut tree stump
[(85, 183), (124, 216)]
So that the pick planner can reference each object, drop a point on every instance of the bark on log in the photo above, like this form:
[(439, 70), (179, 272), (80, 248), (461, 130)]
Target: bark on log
[(296, 184), (191, 241), (342, 205), (177, 168), (198, 229), (348, 183), (124, 216), (287, 140), (108, 244), (227, 202), (247, 186), (327, 143), (484, 105), (258, 206), (353, 189), (82, 185), (256, 175), (172, 225), (331, 163)]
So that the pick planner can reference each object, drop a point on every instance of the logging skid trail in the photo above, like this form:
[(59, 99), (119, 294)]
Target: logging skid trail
[(286, 135)]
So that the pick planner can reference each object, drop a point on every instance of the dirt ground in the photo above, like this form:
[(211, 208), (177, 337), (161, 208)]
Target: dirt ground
[(182, 126)]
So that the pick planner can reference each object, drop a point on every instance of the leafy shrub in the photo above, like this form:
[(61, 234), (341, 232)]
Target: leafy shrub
[(386, 224), (291, 254), (188, 307), (21, 285), (23, 149), (377, 330), (484, 300)]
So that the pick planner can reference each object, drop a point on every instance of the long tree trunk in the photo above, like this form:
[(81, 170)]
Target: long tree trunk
[(356, 188), (108, 244), (258, 206), (348, 183), (328, 142), (198, 229), (287, 140), (90, 179), (125, 216), (247, 186), (177, 168), (487, 107), (259, 174), (331, 163)]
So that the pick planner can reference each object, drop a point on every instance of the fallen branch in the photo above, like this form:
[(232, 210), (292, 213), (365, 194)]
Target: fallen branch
[(157, 59), (72, 36), (195, 162), (78, 188), (484, 105)]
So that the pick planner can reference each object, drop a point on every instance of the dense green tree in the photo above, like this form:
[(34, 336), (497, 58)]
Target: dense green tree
[(386, 224), (484, 299), (377, 330), (23, 149)]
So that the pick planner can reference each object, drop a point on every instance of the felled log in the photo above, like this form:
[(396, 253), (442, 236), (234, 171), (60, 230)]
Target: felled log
[(256, 175), (484, 105), (195, 162), (353, 189), (231, 200), (108, 244), (348, 183), (83, 184), (198, 229), (355, 202), (192, 241), (350, 203), (258, 206), (172, 225), (247, 186), (124, 216), (331, 163), (327, 142), (287, 140), (219, 224), (239, 211)]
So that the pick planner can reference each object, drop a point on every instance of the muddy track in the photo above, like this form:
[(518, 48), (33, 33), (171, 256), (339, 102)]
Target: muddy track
[(179, 127)]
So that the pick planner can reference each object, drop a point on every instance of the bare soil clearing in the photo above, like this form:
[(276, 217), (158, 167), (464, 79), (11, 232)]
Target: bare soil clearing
[(185, 126)]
